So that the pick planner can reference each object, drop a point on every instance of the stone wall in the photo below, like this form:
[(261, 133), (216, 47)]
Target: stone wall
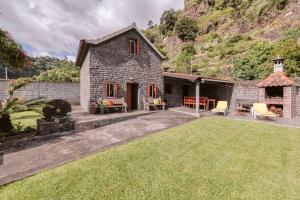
[(66, 91), (176, 98), (244, 90), (297, 80), (85, 83), (110, 62), (298, 101)]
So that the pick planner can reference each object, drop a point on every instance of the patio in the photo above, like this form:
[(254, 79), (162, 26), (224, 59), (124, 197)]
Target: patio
[(195, 91), (20, 162), (85, 121), (292, 122)]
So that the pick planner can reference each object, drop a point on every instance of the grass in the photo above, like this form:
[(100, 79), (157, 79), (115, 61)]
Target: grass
[(211, 158), (25, 119)]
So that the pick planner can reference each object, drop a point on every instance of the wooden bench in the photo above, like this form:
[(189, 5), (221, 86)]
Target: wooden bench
[(117, 103), (149, 102), (191, 101)]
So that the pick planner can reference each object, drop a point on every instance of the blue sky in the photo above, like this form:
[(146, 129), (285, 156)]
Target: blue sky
[(54, 27)]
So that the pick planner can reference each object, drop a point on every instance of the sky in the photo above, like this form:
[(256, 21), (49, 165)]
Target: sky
[(55, 27)]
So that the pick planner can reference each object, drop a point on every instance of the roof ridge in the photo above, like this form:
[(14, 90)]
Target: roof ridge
[(85, 43)]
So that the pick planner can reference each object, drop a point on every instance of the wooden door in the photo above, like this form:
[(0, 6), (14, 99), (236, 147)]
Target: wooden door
[(129, 91)]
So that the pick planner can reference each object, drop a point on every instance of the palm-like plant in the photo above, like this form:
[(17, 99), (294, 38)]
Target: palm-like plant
[(18, 104)]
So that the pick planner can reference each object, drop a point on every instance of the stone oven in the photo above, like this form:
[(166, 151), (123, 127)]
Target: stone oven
[(279, 92)]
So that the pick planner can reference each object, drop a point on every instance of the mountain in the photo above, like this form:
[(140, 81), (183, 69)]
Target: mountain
[(236, 39)]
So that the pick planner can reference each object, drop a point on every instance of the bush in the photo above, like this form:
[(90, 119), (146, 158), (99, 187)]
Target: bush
[(11, 52), (280, 4), (66, 72), (169, 19), (254, 65), (186, 29), (291, 52), (183, 61)]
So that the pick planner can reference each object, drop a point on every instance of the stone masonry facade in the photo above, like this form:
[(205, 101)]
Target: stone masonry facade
[(50, 90), (110, 62)]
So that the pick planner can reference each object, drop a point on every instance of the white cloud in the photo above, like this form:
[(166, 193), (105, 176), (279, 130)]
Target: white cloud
[(54, 27)]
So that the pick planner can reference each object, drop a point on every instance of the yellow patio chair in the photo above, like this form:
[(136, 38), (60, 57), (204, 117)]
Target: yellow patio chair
[(222, 107), (261, 110)]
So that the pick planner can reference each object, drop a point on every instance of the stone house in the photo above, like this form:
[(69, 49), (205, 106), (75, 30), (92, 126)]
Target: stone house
[(122, 64)]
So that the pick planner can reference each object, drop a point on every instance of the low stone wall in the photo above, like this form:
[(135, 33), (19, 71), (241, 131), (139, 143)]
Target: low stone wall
[(50, 90)]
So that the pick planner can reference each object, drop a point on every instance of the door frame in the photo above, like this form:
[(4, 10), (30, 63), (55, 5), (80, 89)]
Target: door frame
[(130, 95)]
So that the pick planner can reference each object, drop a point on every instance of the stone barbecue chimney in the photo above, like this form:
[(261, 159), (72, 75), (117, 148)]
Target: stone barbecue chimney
[(278, 64)]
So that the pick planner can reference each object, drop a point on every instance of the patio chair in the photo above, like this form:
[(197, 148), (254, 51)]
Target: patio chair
[(261, 110), (222, 107)]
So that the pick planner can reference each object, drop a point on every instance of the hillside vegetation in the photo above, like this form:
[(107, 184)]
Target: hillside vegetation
[(234, 39)]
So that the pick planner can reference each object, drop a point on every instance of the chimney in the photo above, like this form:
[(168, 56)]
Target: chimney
[(278, 64)]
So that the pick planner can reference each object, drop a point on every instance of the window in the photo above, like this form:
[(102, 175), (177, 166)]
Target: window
[(152, 90), (110, 90), (168, 88), (133, 46)]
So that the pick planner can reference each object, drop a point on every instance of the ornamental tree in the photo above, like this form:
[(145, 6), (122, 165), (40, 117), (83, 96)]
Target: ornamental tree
[(12, 53)]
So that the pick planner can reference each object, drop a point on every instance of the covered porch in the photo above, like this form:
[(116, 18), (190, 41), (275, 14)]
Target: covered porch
[(196, 92)]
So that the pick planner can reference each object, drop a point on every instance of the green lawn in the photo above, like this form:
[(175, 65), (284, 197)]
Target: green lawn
[(211, 158), (25, 119)]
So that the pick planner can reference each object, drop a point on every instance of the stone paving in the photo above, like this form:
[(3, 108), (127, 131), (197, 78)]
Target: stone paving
[(293, 122), (19, 163)]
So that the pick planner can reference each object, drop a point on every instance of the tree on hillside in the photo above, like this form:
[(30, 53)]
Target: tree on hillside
[(168, 20), (183, 61), (187, 29), (12, 53), (150, 24), (253, 65)]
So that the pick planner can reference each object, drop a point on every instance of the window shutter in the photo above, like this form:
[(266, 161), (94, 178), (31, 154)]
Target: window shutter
[(128, 43), (138, 50), (155, 90), (149, 90), (105, 89)]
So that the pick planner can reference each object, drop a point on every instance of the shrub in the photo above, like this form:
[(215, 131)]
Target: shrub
[(65, 72), (187, 29), (291, 52), (11, 52), (169, 19), (183, 61), (254, 65), (17, 104)]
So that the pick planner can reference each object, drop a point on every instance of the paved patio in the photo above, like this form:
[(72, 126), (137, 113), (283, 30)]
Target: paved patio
[(294, 122), (85, 121), (19, 163)]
